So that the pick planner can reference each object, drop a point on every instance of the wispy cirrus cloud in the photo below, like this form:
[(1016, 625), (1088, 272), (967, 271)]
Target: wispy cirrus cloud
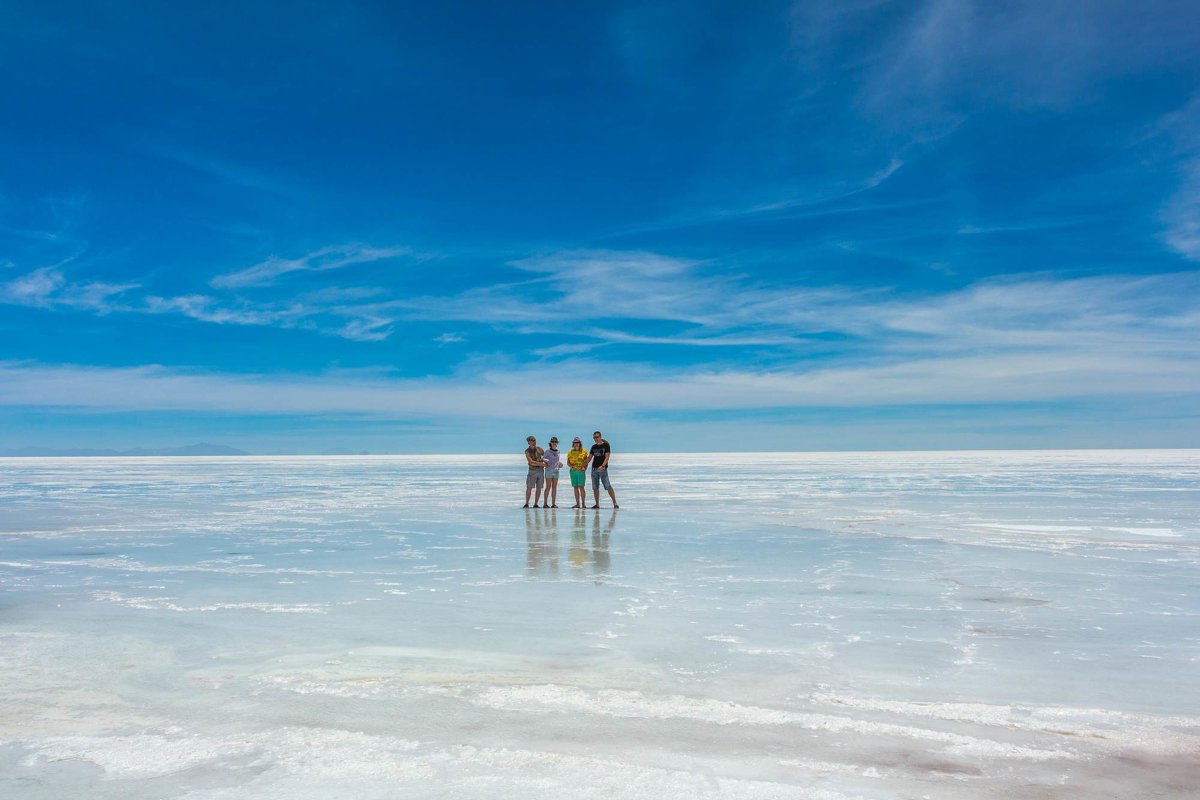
[(504, 394), (265, 272), (48, 288), (209, 309), (1031, 338), (1182, 215), (1181, 212), (722, 310), (344, 311), (595, 298), (223, 169), (956, 56), (347, 321), (606, 297)]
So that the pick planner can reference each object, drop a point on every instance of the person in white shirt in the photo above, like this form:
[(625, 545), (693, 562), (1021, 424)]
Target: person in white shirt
[(553, 465)]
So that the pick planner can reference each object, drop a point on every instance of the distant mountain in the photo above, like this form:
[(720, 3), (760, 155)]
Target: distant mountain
[(200, 449)]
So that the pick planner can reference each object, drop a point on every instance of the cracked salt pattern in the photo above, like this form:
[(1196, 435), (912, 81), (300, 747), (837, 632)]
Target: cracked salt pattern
[(826, 626)]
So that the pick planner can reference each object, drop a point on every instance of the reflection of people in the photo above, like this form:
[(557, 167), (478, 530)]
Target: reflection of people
[(600, 453), (553, 465), (541, 536), (536, 478), (577, 555), (577, 459), (600, 554)]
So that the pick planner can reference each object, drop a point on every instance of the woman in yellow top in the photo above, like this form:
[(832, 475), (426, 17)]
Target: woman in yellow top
[(577, 459)]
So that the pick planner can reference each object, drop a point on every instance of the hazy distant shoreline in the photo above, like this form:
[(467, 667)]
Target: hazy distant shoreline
[(200, 449)]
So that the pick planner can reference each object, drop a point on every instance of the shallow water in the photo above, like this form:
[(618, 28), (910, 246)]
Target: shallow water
[(877, 625)]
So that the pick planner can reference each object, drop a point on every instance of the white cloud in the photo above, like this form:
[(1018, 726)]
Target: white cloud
[(592, 298), (49, 288), (347, 321), (223, 169), (504, 394), (208, 309), (265, 272), (603, 297), (554, 351), (1016, 340), (33, 289), (1182, 215), (627, 285), (954, 56), (732, 340), (366, 329)]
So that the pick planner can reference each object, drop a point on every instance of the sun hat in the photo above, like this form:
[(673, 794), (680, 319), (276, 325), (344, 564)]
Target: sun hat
[(577, 440)]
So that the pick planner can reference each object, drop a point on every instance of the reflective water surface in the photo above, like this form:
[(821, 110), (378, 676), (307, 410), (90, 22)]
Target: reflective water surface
[(886, 625)]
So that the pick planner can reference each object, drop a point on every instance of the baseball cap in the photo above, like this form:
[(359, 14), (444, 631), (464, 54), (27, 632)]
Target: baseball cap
[(576, 439)]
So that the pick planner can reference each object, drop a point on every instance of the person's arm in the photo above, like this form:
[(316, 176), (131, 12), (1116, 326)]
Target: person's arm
[(532, 464)]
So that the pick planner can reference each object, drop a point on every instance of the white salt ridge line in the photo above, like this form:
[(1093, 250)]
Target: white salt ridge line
[(1122, 728), (1162, 532), (631, 704), (836, 768), (32, 635), (153, 755), (137, 566), (612, 779), (140, 756), (1005, 527), (354, 688), (165, 604), (290, 762), (731, 579)]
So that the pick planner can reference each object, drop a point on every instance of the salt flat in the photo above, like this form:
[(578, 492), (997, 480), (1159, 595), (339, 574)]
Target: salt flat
[(877, 625)]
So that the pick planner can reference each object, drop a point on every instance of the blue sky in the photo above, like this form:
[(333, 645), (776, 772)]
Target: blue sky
[(402, 227)]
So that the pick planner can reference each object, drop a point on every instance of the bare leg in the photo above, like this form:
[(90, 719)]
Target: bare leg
[(528, 489), (613, 495), (537, 498)]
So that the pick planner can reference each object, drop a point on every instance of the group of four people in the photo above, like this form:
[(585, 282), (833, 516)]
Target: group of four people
[(545, 464)]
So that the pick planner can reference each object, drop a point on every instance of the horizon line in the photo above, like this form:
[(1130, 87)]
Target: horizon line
[(514, 454)]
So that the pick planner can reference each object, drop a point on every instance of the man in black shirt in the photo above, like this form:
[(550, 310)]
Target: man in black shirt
[(600, 453)]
